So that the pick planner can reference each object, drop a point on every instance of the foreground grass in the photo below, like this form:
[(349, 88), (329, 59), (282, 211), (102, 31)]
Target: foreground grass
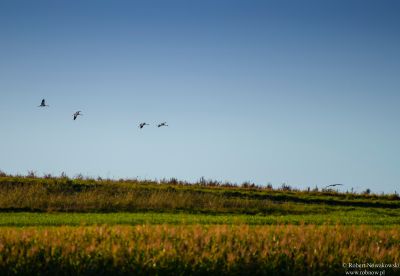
[(196, 249), (366, 217)]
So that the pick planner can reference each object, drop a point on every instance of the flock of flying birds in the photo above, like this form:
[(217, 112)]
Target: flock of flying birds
[(78, 113), (142, 125)]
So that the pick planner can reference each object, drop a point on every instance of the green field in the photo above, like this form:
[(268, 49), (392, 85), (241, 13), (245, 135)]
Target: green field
[(57, 225), (73, 219)]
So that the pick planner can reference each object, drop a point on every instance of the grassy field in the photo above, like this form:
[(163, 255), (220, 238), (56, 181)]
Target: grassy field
[(198, 250), (365, 217), (58, 225), (79, 195)]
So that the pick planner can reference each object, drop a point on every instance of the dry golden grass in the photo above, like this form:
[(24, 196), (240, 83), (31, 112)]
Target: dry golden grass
[(218, 249), (45, 198), (66, 195)]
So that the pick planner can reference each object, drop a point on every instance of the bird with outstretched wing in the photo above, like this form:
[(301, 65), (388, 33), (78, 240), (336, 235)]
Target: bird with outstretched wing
[(43, 103), (76, 114)]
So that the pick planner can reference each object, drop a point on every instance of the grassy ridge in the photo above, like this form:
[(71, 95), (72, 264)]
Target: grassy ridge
[(162, 249), (80, 195)]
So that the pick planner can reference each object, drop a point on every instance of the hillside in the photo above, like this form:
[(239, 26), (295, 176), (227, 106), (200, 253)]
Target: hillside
[(62, 194)]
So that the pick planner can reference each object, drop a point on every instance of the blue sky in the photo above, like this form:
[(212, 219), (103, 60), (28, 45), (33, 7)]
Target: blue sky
[(265, 91)]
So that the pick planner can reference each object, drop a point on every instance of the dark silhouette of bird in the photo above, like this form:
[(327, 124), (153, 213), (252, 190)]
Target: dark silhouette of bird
[(76, 114), (142, 125), (333, 185), (43, 103), (162, 124)]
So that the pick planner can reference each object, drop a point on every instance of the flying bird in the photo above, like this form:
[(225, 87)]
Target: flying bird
[(333, 185), (162, 124), (76, 114), (143, 124), (43, 103)]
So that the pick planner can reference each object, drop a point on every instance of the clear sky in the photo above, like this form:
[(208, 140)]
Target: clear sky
[(303, 92)]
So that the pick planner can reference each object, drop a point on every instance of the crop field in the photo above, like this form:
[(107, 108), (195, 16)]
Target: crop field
[(194, 249), (58, 225)]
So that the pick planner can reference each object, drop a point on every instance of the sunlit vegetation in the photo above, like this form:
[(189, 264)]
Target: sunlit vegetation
[(82, 226), (62, 194), (162, 249), (365, 217)]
